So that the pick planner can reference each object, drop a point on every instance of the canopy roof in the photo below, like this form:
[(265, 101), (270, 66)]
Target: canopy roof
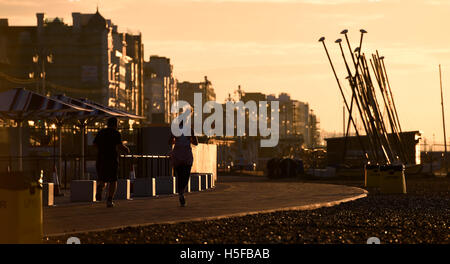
[(19, 104), (98, 111), (121, 113)]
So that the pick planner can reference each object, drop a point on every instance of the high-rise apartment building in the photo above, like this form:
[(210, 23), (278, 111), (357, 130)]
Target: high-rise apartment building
[(89, 59), (186, 91), (160, 90)]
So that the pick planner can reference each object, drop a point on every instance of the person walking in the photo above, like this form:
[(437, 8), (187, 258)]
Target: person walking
[(109, 143), (182, 159)]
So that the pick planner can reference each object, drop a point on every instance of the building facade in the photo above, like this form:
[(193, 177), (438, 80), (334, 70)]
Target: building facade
[(186, 91), (341, 150), (160, 90), (297, 120), (88, 59)]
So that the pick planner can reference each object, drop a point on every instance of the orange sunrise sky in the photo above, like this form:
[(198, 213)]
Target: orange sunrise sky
[(271, 46)]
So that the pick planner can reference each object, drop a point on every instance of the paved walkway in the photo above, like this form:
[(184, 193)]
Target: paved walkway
[(233, 196)]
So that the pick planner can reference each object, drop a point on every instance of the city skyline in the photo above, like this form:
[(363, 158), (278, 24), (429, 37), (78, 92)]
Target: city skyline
[(271, 46)]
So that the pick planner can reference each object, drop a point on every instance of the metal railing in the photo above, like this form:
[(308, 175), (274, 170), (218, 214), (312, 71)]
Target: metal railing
[(32, 165), (144, 166)]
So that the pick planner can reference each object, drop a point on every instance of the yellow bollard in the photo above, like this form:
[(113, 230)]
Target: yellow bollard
[(372, 176), (20, 209), (393, 179)]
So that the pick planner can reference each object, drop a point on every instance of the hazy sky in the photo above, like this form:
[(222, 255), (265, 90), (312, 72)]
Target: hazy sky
[(271, 46)]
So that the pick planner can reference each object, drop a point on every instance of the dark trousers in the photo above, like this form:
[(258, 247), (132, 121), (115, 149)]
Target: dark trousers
[(183, 173), (107, 170)]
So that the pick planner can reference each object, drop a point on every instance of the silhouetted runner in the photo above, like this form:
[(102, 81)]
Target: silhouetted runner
[(182, 159), (108, 142)]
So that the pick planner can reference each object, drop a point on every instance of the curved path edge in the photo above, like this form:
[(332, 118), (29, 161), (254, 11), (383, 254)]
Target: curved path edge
[(218, 217)]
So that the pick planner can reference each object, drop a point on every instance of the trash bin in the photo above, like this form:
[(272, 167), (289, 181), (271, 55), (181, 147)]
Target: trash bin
[(300, 167), (372, 176), (288, 168), (393, 179), (20, 208)]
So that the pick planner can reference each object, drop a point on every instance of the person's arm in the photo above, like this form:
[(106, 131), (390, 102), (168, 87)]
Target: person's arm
[(120, 146), (171, 139), (194, 140)]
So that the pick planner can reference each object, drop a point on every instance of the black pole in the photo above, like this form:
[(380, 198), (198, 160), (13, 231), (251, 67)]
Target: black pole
[(357, 79), (443, 122), (322, 39), (351, 104)]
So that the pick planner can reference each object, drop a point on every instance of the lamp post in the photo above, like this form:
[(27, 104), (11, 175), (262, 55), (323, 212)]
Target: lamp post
[(41, 59)]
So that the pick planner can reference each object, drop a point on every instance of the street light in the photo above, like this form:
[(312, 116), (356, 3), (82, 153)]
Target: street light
[(40, 59)]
